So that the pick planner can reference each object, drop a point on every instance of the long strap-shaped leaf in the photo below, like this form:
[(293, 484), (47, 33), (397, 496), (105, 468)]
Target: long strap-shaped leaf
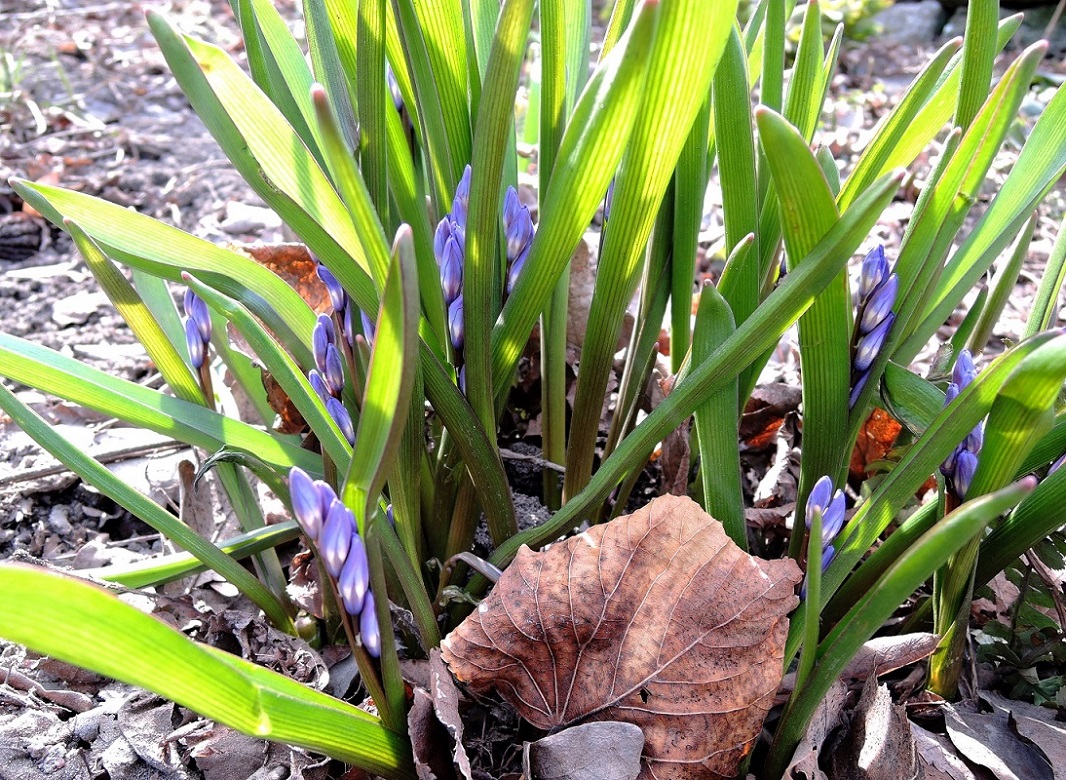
[(79, 623), (808, 212), (688, 43), (588, 154), (57, 374), (143, 507)]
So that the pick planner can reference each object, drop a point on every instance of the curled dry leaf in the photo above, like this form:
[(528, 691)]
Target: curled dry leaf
[(656, 619)]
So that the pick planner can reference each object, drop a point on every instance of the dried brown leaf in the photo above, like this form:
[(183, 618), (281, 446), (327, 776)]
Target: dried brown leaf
[(607, 750), (989, 740), (878, 745), (655, 619), (826, 718)]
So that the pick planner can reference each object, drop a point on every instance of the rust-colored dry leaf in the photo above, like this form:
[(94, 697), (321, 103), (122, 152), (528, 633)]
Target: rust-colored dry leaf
[(875, 439), (289, 419), (655, 619), (294, 264)]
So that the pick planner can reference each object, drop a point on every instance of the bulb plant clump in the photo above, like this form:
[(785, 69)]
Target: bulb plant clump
[(387, 140)]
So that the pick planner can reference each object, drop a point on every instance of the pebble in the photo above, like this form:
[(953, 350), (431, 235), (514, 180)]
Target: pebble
[(58, 520)]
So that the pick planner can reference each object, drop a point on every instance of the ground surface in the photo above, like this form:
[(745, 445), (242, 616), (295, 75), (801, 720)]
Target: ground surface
[(86, 101)]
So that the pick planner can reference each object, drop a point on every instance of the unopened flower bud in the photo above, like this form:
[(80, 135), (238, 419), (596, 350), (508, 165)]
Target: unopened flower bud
[(964, 371), (455, 322), (197, 311), (874, 270), (342, 418), (369, 631), (318, 384), (333, 371), (879, 305), (820, 496), (337, 296), (870, 344), (461, 203), (355, 577), (965, 466), (336, 538), (306, 502), (451, 271), (441, 236), (196, 345)]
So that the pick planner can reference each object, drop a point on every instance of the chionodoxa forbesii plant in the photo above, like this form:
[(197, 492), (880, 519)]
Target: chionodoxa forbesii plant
[(437, 276)]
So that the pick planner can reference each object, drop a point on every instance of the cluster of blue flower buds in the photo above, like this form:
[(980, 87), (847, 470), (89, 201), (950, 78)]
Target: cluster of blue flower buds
[(960, 465), (830, 506), (330, 526), (327, 378), (197, 328), (877, 296), (449, 247)]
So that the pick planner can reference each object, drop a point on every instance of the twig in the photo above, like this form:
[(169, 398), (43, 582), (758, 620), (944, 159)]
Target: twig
[(107, 457), (547, 464)]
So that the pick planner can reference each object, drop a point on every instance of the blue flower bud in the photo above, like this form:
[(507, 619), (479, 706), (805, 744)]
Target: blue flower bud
[(965, 466), (833, 518), (515, 269), (820, 496), (322, 335), (196, 345), (608, 201), (870, 344), (369, 328), (451, 271), (337, 296), (975, 438), (369, 631), (187, 301), (874, 270), (455, 322), (318, 384), (349, 333), (306, 502), (511, 206), (879, 304), (964, 371), (336, 538), (828, 554), (519, 234), (462, 379), (951, 393), (461, 203), (197, 311), (856, 390), (1056, 465), (333, 371), (342, 418), (394, 87), (355, 577), (441, 236)]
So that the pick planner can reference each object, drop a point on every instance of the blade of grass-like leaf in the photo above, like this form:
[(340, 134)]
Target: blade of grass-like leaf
[(162, 569), (282, 367), (803, 103), (689, 41), (927, 244), (156, 295), (733, 123), (327, 65), (941, 104), (718, 420), (112, 638), (482, 283), (912, 400), (759, 332), (889, 132), (370, 62), (1002, 287), (588, 154), (809, 212), (1040, 163), (354, 190), (868, 615), (389, 384), (124, 297), (268, 154), (1047, 294), (947, 429), (51, 372), (689, 189), (1041, 513), (145, 243), (93, 473), (978, 55), (772, 81), (621, 17)]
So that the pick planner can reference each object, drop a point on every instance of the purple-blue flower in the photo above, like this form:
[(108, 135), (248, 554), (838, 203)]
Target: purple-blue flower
[(870, 344), (337, 296), (960, 465), (451, 270), (333, 370), (307, 502), (874, 270), (342, 418), (455, 322), (461, 203), (355, 577)]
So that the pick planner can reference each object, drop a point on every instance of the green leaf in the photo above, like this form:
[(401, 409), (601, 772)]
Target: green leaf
[(1047, 293), (389, 383), (482, 281), (111, 638), (144, 508), (978, 56), (808, 212), (588, 154), (689, 41)]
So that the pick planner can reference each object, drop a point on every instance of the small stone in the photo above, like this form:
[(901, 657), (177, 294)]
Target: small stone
[(59, 521), (77, 309), (911, 23)]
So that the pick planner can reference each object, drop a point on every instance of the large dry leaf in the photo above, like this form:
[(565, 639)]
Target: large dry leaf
[(656, 619)]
